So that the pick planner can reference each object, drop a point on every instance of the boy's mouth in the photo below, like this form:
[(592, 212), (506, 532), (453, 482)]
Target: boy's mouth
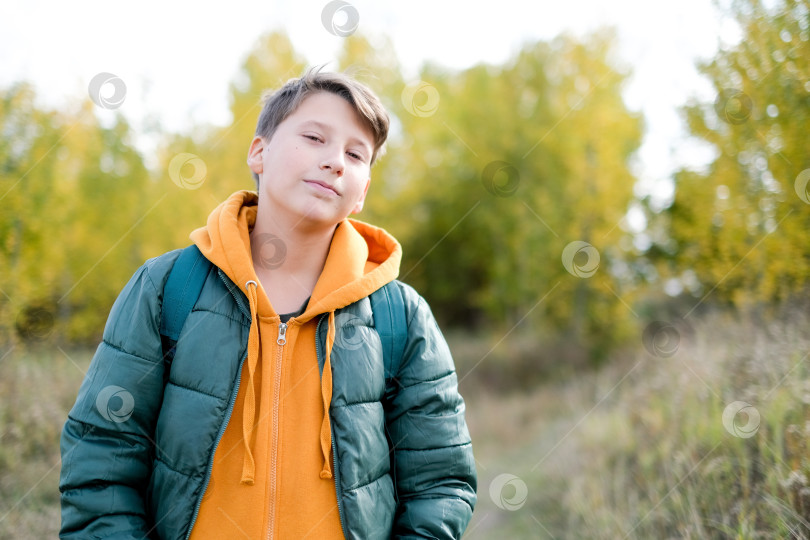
[(322, 186)]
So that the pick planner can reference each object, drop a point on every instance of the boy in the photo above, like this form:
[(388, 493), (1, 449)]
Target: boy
[(276, 417)]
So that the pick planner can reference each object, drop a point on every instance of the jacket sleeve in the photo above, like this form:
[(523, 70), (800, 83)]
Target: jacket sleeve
[(433, 459), (106, 443)]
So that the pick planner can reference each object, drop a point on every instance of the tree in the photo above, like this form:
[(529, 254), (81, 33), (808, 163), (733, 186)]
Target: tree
[(72, 194), (741, 226), (515, 163)]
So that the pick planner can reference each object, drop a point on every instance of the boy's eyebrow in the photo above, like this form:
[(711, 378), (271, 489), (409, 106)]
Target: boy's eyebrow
[(326, 127)]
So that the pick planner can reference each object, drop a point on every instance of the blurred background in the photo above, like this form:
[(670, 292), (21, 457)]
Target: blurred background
[(605, 204)]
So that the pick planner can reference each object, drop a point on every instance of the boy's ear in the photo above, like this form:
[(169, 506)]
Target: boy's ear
[(359, 206), (254, 159)]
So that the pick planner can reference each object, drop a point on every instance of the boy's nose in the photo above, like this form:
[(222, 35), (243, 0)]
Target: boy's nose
[(333, 163)]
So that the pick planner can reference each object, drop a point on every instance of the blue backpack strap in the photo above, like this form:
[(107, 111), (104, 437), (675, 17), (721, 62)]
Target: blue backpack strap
[(388, 307), (180, 293)]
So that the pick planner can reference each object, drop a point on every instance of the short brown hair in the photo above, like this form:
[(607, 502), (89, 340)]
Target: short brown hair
[(281, 103)]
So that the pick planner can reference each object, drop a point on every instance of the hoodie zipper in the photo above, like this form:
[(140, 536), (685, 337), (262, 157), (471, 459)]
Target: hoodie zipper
[(280, 341)]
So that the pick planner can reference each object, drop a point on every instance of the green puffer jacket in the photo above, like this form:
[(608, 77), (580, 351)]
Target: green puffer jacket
[(138, 445)]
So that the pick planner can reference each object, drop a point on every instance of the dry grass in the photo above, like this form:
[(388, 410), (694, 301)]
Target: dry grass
[(37, 389), (639, 450)]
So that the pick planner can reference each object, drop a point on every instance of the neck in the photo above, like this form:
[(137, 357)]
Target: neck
[(288, 257)]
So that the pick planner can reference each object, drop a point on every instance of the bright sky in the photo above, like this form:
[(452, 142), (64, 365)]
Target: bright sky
[(178, 57)]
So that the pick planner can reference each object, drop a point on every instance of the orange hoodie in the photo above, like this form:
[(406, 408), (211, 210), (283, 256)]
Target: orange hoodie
[(272, 471)]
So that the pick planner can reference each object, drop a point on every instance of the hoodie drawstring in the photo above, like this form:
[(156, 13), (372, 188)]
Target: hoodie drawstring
[(326, 393), (249, 411)]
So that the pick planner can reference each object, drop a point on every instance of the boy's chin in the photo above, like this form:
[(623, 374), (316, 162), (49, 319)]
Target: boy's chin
[(306, 212), (316, 219)]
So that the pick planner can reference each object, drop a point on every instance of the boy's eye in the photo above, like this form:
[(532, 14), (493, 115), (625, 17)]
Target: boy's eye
[(355, 156), (313, 137)]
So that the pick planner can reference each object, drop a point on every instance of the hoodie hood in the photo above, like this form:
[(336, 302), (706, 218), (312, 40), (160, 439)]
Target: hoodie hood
[(361, 259)]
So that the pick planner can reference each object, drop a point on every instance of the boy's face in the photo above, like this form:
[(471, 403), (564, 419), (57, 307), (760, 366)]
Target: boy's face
[(316, 167)]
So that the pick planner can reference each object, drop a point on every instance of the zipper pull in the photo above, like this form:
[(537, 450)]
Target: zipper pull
[(282, 334)]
